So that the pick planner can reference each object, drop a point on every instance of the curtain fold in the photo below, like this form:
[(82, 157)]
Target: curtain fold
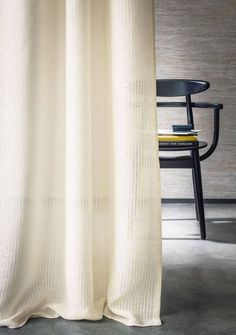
[(80, 218)]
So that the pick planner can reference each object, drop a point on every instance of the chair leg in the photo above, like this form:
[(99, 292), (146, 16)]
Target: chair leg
[(198, 178), (195, 193)]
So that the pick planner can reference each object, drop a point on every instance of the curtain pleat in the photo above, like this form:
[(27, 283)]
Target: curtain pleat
[(80, 218)]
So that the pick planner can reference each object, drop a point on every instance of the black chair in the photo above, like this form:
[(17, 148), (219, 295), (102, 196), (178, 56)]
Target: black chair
[(186, 88)]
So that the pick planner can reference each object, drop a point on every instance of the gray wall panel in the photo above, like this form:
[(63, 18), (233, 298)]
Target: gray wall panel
[(197, 39)]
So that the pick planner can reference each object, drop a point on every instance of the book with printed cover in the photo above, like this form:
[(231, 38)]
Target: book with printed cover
[(177, 140)]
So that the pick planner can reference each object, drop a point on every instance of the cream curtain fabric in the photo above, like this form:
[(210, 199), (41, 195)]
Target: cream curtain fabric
[(79, 178)]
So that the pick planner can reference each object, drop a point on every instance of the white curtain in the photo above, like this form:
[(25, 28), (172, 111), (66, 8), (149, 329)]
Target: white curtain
[(80, 228)]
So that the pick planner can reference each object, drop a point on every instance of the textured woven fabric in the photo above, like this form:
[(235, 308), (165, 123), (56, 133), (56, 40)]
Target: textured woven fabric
[(80, 228)]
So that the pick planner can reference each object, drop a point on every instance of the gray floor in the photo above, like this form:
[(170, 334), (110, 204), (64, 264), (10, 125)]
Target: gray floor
[(199, 281)]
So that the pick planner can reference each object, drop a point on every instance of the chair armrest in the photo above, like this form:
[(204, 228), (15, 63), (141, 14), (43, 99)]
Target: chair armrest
[(215, 135), (204, 105), (171, 104)]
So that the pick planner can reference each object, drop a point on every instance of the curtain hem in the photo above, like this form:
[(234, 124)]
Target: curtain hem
[(14, 324)]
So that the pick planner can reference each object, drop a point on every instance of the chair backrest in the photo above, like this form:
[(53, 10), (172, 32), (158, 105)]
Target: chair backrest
[(180, 87)]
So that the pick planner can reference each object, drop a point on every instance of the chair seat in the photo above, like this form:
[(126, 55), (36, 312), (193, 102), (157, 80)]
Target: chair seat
[(179, 162), (201, 145)]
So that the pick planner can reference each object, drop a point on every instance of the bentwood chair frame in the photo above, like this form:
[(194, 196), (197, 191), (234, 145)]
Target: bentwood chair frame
[(186, 88)]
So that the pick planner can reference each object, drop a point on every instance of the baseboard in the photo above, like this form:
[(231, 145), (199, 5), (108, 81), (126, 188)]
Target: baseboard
[(189, 201)]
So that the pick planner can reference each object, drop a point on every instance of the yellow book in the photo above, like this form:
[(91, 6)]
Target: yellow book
[(176, 138)]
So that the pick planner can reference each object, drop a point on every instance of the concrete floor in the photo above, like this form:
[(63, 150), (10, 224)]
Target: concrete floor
[(199, 281)]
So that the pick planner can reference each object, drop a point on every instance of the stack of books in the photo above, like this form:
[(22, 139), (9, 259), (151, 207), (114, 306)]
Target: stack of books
[(179, 136)]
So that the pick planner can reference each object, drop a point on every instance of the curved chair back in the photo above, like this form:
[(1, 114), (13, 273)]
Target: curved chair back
[(180, 87)]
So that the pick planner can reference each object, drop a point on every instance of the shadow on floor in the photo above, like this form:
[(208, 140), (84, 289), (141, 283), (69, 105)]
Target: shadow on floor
[(181, 238), (221, 230)]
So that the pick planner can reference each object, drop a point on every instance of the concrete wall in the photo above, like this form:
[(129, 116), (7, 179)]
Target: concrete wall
[(197, 39)]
